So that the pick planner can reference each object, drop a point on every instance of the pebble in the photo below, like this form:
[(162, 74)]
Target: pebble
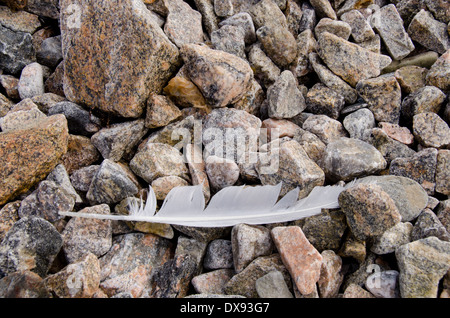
[(219, 255), (383, 284), (272, 285), (359, 124), (221, 172), (80, 121), (31, 82), (394, 237), (331, 277)]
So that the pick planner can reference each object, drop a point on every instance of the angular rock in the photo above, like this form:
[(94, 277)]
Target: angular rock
[(294, 15), (27, 156), (339, 28), (359, 124), (209, 18), (309, 17), (263, 67), (350, 61), (411, 78), (424, 100), (17, 50), (157, 160), (183, 24), (19, 20), (221, 172), (223, 8), (219, 254), (422, 265), (322, 100), (10, 84), (77, 280), (284, 98), (80, 121), (301, 259), (230, 39), (428, 224), (439, 9), (439, 72), (112, 183), (431, 130), (244, 282), (331, 80), (21, 117), (8, 216), (392, 238), (383, 96), (389, 25), (131, 262), (94, 57), (80, 153), (81, 179), (31, 81), (248, 243), (384, 284), (266, 12), (197, 169), (398, 133), (326, 128), (118, 140), (430, 33), (221, 77), (421, 167), (369, 210), (172, 279), (23, 284), (324, 9), (50, 52), (330, 274), (294, 169), (356, 291), (443, 172), (46, 8), (361, 29), (347, 158), (162, 185), (212, 282), (408, 195), (31, 244), (46, 202), (245, 22), (272, 285), (252, 100), (306, 44), (278, 43)]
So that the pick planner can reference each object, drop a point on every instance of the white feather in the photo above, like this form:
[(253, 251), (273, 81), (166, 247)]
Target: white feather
[(228, 207)]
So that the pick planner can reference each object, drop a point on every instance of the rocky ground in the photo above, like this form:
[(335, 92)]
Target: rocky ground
[(94, 95)]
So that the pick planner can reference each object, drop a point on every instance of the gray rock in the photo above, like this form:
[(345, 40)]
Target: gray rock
[(60, 176), (309, 18), (408, 195), (219, 254), (157, 160), (347, 158), (112, 183), (369, 210), (24, 114), (361, 29), (422, 265), (439, 72), (322, 100), (278, 43), (16, 50), (46, 202), (209, 18), (223, 8), (244, 21), (339, 28), (193, 247), (31, 244), (80, 121), (359, 124), (267, 12), (23, 284), (331, 276), (324, 9), (443, 172), (389, 25), (272, 285), (263, 67), (392, 238), (306, 44), (46, 8), (82, 235), (221, 172), (118, 140), (326, 128), (81, 179), (229, 39), (428, 224), (50, 52), (430, 33), (249, 242), (430, 130), (384, 284), (294, 169), (421, 167), (424, 100), (383, 96), (31, 81), (284, 97), (390, 148)]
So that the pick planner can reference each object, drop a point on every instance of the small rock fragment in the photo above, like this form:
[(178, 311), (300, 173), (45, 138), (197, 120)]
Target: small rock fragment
[(431, 131), (31, 81), (439, 72), (272, 285)]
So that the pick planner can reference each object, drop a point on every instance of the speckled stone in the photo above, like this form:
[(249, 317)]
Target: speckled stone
[(272, 285), (428, 224), (392, 238), (331, 276), (77, 280), (31, 244), (396, 132), (324, 101), (27, 156), (212, 282), (83, 235), (80, 153), (161, 111), (443, 172), (221, 77), (348, 60), (249, 242), (360, 27), (411, 78), (221, 172), (23, 284), (359, 124), (31, 82), (431, 130), (219, 254), (80, 120), (384, 284), (422, 265), (383, 96), (326, 128), (263, 67), (339, 28), (18, 50), (301, 259), (439, 72), (278, 43), (231, 39), (245, 22), (369, 210), (94, 56)]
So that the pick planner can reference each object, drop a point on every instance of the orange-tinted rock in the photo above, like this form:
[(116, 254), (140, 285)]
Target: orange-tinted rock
[(101, 70), (299, 256), (80, 153), (27, 156)]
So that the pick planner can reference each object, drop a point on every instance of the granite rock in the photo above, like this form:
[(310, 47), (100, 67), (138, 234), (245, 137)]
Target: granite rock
[(17, 50), (272, 285), (23, 284), (430, 130)]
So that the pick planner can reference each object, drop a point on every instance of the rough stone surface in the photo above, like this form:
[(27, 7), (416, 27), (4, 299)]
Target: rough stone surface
[(212, 282), (411, 78), (369, 210), (428, 224), (17, 50), (301, 259), (323, 100), (431, 130), (94, 56), (439, 72), (384, 284), (278, 43), (80, 121), (424, 100), (340, 28), (27, 156), (221, 172), (330, 274), (326, 128), (360, 27), (422, 264), (219, 254), (359, 124), (394, 237), (272, 285), (443, 172), (23, 284), (31, 244), (348, 158)]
